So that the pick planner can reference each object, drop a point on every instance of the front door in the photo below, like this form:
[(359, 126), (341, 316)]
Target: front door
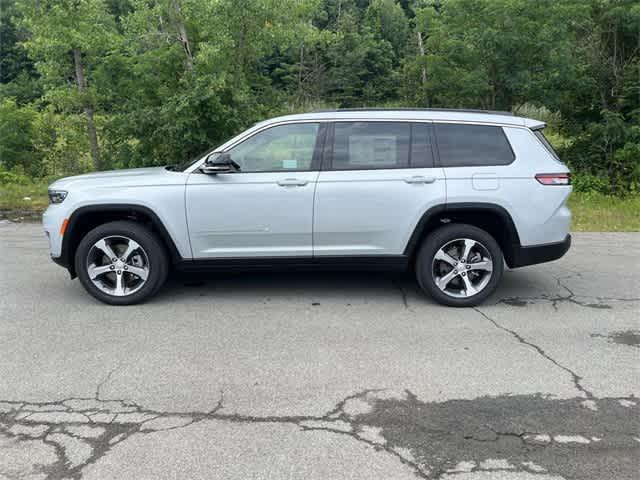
[(265, 209)]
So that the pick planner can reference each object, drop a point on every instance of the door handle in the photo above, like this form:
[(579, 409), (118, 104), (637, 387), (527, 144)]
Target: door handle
[(419, 179), (292, 182)]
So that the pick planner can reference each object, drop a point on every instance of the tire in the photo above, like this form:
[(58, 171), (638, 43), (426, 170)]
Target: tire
[(115, 282), (441, 255)]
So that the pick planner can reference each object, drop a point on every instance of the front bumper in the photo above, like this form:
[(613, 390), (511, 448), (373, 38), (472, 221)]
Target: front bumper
[(60, 261), (530, 255), (52, 221)]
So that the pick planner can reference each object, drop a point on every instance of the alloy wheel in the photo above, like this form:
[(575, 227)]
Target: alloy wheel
[(462, 268), (117, 265)]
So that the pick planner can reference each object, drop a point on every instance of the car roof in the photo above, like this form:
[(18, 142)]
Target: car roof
[(452, 115)]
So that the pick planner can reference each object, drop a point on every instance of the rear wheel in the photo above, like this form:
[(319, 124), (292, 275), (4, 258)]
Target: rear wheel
[(121, 263), (459, 265)]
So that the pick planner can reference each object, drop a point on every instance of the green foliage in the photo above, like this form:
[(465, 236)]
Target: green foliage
[(163, 80), (387, 21), (609, 150), (16, 135), (16, 176), (19, 193), (361, 67), (586, 182), (41, 142), (502, 55), (18, 78)]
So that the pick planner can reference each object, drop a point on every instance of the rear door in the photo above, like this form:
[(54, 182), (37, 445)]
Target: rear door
[(377, 179)]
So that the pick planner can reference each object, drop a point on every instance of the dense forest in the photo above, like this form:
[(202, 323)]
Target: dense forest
[(98, 84)]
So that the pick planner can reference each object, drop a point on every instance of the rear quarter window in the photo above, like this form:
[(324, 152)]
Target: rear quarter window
[(540, 136), (472, 145)]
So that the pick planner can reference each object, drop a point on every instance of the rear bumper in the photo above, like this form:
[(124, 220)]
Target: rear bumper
[(523, 256)]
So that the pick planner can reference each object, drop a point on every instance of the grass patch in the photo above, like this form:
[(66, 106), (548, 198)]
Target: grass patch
[(12, 196), (592, 212), (595, 212)]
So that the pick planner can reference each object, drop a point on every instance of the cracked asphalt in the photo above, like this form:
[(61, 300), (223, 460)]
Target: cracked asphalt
[(325, 375)]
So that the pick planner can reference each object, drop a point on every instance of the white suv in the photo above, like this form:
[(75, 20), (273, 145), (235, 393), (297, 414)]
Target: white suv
[(449, 192)]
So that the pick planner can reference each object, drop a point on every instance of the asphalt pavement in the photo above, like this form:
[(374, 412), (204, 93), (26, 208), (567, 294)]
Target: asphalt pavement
[(322, 375)]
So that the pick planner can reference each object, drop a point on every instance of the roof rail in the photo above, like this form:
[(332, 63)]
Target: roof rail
[(375, 109)]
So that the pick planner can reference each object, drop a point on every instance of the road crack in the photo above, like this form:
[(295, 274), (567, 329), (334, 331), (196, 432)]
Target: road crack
[(109, 422), (403, 293), (576, 379), (570, 297), (433, 439)]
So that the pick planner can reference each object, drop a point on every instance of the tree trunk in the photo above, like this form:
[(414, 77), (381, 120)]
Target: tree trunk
[(421, 51), (300, 89), (423, 72), (182, 34), (87, 109)]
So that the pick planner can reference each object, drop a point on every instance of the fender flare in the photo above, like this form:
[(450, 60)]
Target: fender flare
[(69, 242), (510, 242)]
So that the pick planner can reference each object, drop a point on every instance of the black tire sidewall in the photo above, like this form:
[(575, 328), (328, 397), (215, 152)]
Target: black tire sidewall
[(158, 265), (438, 238)]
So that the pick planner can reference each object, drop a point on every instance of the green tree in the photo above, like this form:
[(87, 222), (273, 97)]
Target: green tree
[(67, 39), (387, 21), (190, 76), (604, 113), (114, 83), (18, 77), (16, 135), (499, 57)]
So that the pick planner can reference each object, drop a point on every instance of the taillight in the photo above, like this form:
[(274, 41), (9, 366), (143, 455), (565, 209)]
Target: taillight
[(554, 178)]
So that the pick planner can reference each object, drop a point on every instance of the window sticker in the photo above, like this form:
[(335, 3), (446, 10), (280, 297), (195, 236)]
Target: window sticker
[(378, 149), (289, 164)]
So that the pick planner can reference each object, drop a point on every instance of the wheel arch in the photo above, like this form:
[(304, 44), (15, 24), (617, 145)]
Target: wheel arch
[(86, 218), (492, 218)]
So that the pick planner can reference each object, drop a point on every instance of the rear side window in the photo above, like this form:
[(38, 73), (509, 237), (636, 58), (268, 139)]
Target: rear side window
[(472, 145), (370, 145), (547, 145)]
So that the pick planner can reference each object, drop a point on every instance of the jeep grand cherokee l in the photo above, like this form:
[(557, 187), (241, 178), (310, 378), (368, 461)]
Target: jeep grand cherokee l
[(449, 194)]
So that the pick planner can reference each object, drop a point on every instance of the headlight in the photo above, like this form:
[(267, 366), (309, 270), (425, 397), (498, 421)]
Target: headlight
[(57, 196)]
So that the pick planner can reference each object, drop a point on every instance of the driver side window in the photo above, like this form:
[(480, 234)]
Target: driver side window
[(281, 148)]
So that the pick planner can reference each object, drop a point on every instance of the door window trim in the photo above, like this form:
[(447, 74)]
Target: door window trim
[(194, 168)]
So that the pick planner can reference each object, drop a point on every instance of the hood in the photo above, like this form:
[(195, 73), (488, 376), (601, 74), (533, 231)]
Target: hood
[(130, 176)]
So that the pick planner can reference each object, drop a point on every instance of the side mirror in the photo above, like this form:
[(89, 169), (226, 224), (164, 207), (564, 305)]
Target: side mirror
[(219, 163)]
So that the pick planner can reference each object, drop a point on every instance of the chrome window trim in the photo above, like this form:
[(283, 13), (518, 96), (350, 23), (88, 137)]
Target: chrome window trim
[(250, 132)]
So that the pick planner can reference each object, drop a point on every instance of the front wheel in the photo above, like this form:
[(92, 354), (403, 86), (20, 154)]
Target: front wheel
[(121, 263), (459, 265)]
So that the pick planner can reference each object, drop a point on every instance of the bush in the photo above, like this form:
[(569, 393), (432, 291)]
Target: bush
[(607, 156), (15, 176), (585, 182)]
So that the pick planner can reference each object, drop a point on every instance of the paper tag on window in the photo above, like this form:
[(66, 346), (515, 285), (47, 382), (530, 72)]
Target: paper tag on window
[(289, 164)]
